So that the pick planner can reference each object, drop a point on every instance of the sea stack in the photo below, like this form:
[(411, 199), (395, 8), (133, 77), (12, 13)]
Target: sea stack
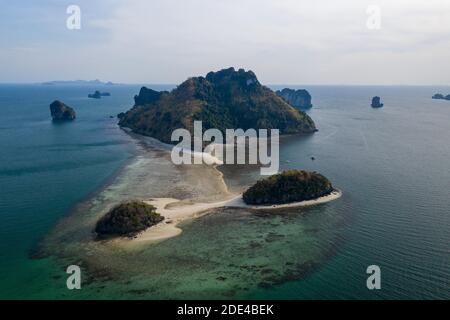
[(61, 111), (376, 102), (95, 95), (300, 99), (438, 96)]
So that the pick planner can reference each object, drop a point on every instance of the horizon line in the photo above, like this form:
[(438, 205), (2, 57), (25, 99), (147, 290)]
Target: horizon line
[(176, 84)]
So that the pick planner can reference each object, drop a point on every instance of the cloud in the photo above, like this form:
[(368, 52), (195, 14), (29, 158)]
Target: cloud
[(288, 41)]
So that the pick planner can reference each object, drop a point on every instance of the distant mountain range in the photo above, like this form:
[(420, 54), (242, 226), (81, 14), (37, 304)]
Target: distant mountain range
[(79, 82)]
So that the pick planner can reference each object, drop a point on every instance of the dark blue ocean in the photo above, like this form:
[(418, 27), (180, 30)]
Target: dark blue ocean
[(392, 165)]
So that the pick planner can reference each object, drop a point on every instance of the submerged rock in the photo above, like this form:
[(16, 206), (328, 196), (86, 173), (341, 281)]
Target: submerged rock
[(376, 102), (61, 112), (300, 99)]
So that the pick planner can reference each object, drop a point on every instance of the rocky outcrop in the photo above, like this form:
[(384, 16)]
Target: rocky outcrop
[(227, 99), (440, 96), (61, 112), (300, 99), (376, 102), (97, 94), (147, 96)]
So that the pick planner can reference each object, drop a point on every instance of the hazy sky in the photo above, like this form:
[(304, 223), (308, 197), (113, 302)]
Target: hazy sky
[(282, 41)]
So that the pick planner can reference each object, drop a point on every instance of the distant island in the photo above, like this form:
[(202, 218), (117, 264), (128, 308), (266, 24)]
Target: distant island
[(300, 99), (227, 99), (61, 112), (440, 96), (376, 102), (287, 187), (127, 219), (78, 82), (97, 94)]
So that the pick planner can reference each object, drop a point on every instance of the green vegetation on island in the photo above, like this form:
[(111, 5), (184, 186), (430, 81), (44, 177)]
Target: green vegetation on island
[(227, 99), (61, 112), (288, 186), (128, 219)]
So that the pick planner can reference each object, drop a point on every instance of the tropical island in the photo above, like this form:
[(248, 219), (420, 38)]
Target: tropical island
[(61, 112), (227, 99), (287, 187), (300, 99), (128, 219)]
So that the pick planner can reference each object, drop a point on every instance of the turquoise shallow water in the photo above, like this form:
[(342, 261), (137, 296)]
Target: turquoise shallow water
[(391, 163), (45, 168)]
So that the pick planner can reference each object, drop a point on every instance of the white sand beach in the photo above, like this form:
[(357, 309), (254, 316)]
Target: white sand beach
[(175, 212), (208, 191)]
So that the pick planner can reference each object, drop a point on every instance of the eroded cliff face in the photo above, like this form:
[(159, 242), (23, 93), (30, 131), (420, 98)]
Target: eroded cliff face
[(300, 99)]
